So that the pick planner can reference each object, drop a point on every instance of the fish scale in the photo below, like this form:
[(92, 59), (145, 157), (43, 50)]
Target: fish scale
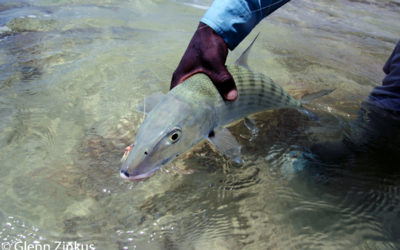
[(257, 86), (256, 92), (193, 111)]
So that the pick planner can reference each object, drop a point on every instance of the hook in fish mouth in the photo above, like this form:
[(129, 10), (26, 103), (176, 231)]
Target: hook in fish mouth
[(126, 176)]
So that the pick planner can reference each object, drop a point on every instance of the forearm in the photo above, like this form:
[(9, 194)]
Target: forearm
[(234, 19)]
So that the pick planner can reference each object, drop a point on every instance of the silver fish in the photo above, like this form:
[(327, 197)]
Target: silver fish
[(194, 111)]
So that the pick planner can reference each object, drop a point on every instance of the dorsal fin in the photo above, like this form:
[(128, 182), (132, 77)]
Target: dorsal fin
[(242, 60)]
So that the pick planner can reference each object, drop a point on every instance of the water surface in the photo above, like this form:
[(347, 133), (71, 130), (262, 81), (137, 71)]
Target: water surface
[(72, 72)]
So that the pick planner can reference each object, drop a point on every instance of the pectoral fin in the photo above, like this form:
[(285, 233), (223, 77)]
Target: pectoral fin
[(226, 143), (150, 102)]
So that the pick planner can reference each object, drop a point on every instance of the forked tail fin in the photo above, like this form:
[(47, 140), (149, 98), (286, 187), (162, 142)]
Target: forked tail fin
[(310, 97)]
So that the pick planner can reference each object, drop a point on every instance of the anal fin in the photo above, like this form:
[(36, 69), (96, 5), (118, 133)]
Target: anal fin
[(251, 125)]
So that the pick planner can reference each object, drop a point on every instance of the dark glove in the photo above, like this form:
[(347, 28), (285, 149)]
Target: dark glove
[(207, 53)]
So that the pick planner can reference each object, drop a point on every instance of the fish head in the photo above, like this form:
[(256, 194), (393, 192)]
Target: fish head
[(170, 129)]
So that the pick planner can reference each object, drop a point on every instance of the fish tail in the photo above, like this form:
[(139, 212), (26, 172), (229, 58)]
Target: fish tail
[(310, 97)]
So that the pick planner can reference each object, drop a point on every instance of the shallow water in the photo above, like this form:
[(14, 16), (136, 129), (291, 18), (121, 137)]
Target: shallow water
[(72, 72)]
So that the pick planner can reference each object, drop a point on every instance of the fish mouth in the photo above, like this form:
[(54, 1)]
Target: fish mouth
[(124, 175)]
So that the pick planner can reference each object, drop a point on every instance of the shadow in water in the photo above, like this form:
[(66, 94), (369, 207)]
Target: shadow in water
[(358, 180)]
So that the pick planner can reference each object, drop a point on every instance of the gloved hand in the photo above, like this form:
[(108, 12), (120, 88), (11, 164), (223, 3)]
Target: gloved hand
[(207, 53)]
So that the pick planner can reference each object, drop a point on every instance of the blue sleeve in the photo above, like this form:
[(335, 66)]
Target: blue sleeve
[(234, 19)]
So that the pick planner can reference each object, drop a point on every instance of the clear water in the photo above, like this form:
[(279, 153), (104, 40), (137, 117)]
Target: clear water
[(71, 73)]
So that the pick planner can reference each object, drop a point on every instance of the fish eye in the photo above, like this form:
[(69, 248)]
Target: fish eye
[(175, 135)]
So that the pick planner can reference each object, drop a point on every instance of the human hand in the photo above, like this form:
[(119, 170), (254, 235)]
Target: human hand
[(207, 53)]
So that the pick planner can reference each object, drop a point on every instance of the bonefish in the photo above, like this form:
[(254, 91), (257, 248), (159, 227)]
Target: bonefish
[(194, 111)]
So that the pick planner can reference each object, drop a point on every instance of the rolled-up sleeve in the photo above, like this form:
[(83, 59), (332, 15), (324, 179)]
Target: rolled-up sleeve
[(234, 19)]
